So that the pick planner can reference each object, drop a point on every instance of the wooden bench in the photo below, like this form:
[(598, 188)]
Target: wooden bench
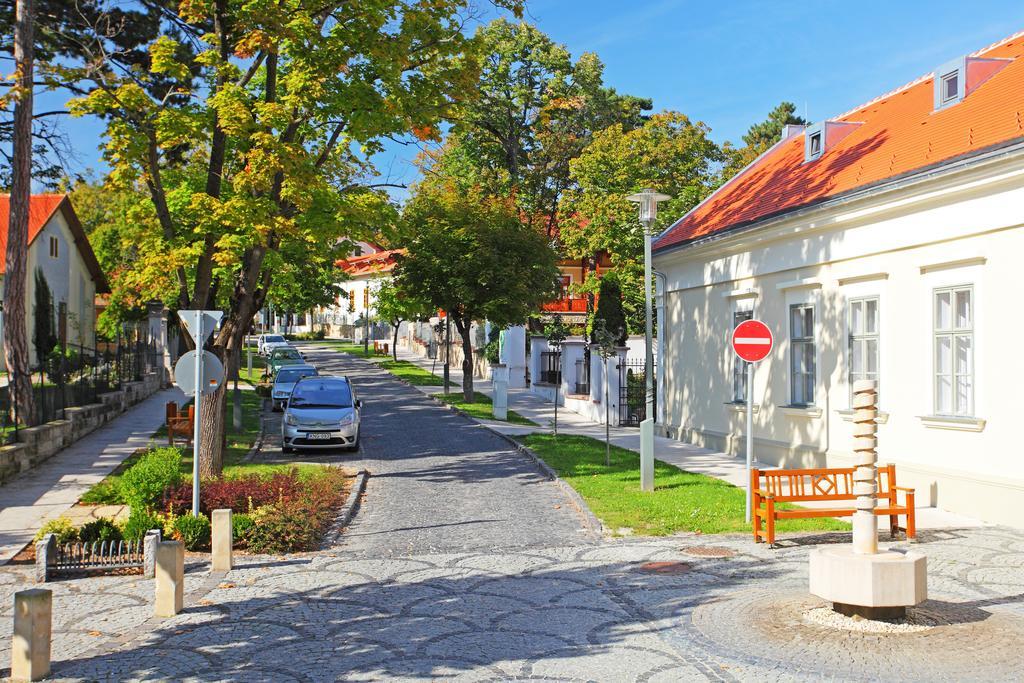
[(179, 423), (770, 487)]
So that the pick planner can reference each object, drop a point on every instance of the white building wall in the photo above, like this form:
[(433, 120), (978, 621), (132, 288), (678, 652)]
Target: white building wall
[(900, 247)]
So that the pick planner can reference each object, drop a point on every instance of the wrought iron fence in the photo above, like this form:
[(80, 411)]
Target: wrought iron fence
[(72, 375), (550, 367), (632, 393)]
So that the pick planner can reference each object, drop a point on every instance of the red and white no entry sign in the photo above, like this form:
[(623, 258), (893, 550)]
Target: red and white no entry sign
[(752, 340)]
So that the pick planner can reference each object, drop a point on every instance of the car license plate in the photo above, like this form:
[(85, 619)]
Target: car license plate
[(313, 436)]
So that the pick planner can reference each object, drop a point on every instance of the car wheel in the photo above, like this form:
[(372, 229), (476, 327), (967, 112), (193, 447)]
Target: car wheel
[(287, 449)]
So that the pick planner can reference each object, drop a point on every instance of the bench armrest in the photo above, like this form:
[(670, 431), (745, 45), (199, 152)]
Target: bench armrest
[(764, 494), (908, 494)]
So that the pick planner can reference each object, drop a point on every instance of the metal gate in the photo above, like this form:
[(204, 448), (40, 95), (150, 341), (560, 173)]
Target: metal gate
[(632, 394)]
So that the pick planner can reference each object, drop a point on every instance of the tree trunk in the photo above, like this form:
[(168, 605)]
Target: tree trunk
[(15, 333), (394, 341), (212, 434), (464, 327)]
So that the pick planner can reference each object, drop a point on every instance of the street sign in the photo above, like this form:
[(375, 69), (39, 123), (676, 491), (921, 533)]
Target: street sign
[(191, 321), (752, 340), (185, 373)]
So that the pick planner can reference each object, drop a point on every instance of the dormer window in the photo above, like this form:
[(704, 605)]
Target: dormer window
[(821, 137), (958, 79)]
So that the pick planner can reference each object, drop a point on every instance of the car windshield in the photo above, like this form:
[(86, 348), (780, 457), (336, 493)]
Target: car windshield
[(273, 338), (292, 375), (288, 354), (321, 394)]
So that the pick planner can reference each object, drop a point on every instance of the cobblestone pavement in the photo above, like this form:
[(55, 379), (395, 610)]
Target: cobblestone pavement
[(411, 593)]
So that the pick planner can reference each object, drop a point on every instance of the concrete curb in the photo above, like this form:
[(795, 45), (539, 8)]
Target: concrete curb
[(348, 511)]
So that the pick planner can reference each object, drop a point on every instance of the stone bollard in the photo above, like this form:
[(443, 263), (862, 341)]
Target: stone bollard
[(149, 545), (222, 540), (170, 578), (865, 476), (46, 554), (30, 646)]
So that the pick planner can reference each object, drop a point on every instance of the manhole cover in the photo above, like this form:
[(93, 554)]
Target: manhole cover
[(708, 551), (666, 567)]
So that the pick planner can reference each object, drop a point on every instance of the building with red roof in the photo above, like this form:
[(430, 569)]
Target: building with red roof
[(58, 248), (883, 243)]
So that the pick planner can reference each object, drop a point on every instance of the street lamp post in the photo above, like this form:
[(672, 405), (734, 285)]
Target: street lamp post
[(648, 200)]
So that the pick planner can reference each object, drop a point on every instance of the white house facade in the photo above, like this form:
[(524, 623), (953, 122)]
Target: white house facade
[(885, 244), (59, 248)]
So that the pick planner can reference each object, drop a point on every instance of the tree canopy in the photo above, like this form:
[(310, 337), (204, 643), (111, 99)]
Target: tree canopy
[(759, 138)]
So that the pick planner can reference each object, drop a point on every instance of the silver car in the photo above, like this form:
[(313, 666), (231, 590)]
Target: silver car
[(322, 412), (284, 382)]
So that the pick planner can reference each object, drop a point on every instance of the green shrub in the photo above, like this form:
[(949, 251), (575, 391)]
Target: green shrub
[(107, 492), (62, 528), (143, 484), (102, 529), (194, 532), (241, 526), (283, 528), (139, 522)]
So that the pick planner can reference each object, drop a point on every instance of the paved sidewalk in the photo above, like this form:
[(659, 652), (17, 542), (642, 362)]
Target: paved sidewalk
[(47, 491), (682, 455)]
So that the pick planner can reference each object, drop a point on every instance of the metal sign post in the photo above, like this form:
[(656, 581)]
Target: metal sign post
[(200, 340), (751, 341), (200, 324)]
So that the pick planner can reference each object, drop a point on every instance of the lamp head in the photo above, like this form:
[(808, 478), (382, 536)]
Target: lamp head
[(648, 200)]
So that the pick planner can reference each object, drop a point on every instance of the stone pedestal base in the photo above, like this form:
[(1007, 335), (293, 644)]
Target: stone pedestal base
[(876, 586)]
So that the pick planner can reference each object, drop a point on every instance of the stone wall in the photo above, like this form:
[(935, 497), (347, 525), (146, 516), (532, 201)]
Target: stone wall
[(37, 444)]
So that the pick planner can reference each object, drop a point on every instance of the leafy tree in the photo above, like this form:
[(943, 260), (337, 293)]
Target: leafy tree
[(669, 153), (473, 258), (44, 337), (534, 110), (605, 340), (397, 305), (759, 138), (250, 125), (610, 314)]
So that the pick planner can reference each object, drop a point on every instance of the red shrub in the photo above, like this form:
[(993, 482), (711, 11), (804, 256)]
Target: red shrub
[(236, 494)]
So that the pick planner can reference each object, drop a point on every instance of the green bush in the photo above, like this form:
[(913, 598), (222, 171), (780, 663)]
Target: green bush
[(143, 485), (62, 528), (194, 532), (102, 529), (283, 528), (241, 526), (107, 492), (139, 522)]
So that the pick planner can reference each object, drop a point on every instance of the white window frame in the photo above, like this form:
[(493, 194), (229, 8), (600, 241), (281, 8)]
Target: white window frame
[(954, 333), (799, 342), (862, 338), (943, 89)]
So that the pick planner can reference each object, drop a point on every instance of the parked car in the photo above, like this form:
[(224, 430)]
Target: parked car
[(281, 356), (284, 382), (322, 412), (268, 342)]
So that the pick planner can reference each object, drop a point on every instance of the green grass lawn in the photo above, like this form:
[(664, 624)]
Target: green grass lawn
[(107, 492), (411, 373), (352, 348), (481, 409), (681, 501), (259, 367)]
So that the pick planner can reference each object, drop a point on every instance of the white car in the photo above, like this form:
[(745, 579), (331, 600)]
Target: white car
[(269, 342)]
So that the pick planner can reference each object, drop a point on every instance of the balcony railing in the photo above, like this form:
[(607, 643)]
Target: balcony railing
[(566, 305)]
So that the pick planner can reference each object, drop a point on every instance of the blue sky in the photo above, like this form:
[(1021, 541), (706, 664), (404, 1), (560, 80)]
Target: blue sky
[(728, 63)]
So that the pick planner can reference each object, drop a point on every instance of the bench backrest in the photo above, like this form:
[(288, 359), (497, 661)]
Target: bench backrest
[(824, 483)]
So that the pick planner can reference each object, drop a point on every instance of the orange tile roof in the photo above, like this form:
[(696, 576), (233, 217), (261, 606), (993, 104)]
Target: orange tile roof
[(900, 133), (370, 264), (40, 208)]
